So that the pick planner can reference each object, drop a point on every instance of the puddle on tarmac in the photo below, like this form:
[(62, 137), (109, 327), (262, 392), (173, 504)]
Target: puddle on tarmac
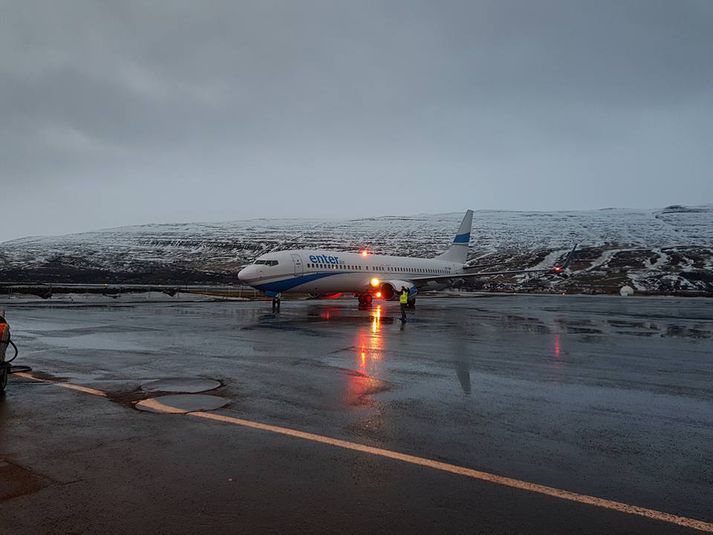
[(179, 404), (185, 385), (17, 481)]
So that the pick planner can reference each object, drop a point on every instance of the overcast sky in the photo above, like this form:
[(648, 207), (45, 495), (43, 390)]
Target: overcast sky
[(129, 112)]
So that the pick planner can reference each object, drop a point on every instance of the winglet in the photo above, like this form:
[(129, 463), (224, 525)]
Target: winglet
[(570, 256), (560, 268)]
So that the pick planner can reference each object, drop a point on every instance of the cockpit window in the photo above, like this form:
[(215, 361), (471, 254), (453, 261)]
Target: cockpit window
[(266, 262)]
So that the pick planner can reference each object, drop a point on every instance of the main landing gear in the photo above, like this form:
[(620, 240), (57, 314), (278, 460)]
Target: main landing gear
[(365, 300)]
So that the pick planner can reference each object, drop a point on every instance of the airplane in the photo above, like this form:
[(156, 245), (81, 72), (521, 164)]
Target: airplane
[(325, 273)]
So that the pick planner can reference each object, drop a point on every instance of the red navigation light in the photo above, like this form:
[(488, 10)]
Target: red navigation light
[(378, 295), (558, 269)]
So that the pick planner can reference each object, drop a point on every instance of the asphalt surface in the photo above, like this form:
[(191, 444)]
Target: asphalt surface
[(607, 397)]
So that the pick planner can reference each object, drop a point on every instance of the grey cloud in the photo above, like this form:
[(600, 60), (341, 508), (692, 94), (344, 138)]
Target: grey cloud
[(223, 110)]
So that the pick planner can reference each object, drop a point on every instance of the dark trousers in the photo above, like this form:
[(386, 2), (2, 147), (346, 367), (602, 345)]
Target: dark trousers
[(403, 311)]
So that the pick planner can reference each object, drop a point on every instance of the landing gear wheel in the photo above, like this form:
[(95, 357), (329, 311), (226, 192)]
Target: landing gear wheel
[(365, 300), (276, 300)]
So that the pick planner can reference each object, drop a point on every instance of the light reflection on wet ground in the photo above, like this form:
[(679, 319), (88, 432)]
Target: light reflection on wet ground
[(569, 391)]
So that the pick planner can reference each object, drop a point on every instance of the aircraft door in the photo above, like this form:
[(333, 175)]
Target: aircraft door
[(297, 260)]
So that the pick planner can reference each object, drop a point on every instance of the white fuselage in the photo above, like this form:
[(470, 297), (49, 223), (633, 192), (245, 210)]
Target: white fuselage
[(326, 272)]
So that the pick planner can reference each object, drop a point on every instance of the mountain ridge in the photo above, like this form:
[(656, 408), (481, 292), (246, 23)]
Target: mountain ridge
[(668, 250)]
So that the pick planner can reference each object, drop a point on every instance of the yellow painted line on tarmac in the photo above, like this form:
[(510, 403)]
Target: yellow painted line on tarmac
[(468, 472), (415, 460), (28, 375), (157, 406), (69, 386), (80, 388)]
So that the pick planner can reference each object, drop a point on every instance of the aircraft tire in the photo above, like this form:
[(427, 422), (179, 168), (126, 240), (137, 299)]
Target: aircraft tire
[(4, 372), (365, 300)]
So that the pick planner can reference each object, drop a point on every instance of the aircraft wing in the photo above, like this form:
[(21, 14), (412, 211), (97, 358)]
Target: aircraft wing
[(557, 269), (420, 281)]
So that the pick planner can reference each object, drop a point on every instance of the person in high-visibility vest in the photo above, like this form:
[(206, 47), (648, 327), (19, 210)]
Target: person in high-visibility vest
[(403, 301)]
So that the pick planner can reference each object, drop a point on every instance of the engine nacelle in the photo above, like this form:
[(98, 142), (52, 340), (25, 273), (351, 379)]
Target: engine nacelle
[(390, 290)]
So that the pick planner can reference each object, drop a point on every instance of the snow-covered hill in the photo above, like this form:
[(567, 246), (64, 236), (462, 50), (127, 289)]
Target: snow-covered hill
[(663, 250)]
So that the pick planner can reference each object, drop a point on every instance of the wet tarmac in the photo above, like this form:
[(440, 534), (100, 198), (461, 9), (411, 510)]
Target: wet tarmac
[(181, 403), (185, 385), (604, 397)]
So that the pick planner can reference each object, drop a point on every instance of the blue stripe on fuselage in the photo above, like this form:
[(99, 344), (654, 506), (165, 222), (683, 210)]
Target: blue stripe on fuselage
[(462, 238), (288, 284)]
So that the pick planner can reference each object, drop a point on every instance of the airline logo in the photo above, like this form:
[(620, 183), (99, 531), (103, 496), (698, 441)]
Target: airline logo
[(324, 259)]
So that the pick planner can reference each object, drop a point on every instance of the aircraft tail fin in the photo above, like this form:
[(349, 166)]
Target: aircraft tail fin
[(458, 251)]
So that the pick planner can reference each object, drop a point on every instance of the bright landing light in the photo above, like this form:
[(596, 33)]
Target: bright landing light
[(375, 282)]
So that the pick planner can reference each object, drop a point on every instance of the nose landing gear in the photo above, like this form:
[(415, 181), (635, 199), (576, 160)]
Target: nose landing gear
[(276, 304)]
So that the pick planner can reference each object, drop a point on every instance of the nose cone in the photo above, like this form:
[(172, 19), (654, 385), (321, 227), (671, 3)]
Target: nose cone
[(244, 275)]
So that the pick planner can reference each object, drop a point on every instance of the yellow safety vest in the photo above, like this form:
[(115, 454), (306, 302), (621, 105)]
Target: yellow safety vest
[(403, 299)]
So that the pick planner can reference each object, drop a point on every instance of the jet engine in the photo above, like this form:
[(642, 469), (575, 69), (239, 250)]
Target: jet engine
[(390, 290)]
